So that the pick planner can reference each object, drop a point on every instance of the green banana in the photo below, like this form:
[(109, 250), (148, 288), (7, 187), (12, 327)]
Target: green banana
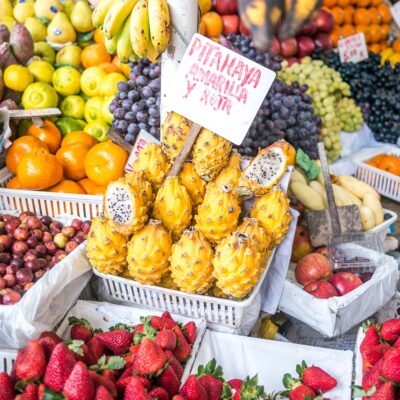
[(116, 16), (100, 12), (124, 47), (159, 20), (140, 29), (111, 44)]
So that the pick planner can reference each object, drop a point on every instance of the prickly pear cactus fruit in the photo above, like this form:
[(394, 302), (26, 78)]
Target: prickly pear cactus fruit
[(173, 207), (148, 253), (174, 130), (191, 262), (210, 154), (106, 248), (154, 163), (218, 215), (237, 265), (195, 186), (272, 210), (231, 173)]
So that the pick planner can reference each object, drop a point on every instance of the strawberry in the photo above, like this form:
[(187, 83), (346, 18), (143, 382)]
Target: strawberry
[(193, 389), (157, 323), (397, 343), (182, 350), (315, 378), (390, 330), (150, 358), (96, 348), (169, 381), (123, 381), (248, 388), (189, 330), (139, 328), (81, 351), (136, 391), (103, 394), (372, 377), (385, 392), (175, 364), (30, 362), (371, 355), (6, 387), (391, 365), (107, 365), (81, 329), (301, 392), (41, 391), (169, 322), (166, 339), (49, 340), (79, 385), (133, 350), (118, 341), (100, 380), (371, 337), (159, 394), (31, 391), (58, 369), (210, 376)]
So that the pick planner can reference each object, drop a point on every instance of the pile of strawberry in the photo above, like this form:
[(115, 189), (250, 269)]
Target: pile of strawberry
[(380, 351), (142, 362)]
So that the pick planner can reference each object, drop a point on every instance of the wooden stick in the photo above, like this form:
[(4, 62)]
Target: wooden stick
[(115, 138)]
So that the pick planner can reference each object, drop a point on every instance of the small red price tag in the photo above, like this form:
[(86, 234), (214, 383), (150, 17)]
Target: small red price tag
[(353, 48)]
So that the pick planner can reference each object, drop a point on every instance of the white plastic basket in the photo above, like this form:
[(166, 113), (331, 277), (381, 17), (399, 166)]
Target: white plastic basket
[(46, 203), (384, 228), (7, 358), (384, 183)]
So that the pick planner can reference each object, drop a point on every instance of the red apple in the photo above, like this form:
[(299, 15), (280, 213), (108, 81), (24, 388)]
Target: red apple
[(323, 40), (243, 29), (301, 243), (306, 45), (321, 290), (313, 267), (309, 29), (345, 282), (289, 47), (231, 23), (275, 46), (226, 7), (297, 205), (322, 250), (324, 21)]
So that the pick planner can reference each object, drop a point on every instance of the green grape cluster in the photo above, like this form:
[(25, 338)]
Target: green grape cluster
[(349, 115)]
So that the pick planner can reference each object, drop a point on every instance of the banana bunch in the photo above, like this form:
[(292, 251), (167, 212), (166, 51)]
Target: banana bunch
[(134, 28), (347, 191), (263, 16)]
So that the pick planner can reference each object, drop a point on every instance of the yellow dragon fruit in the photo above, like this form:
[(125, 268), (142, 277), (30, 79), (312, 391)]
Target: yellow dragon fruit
[(174, 130), (148, 253), (173, 207), (106, 248), (210, 154), (218, 215), (237, 265), (126, 202), (231, 173), (168, 282), (191, 266), (195, 186), (272, 210), (154, 163)]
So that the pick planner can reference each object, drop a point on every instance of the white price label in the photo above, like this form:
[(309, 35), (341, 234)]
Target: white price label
[(395, 10), (353, 48)]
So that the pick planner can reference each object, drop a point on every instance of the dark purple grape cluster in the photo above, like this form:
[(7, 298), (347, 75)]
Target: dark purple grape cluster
[(136, 106)]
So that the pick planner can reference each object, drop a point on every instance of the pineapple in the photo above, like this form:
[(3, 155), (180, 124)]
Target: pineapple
[(191, 266), (195, 186), (237, 265), (272, 210), (106, 248), (173, 206), (148, 253), (231, 173)]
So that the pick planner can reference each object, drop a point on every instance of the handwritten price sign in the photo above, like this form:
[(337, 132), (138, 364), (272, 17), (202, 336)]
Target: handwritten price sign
[(353, 48), (219, 89)]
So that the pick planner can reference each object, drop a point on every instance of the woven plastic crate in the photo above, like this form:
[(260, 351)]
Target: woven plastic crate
[(7, 358), (384, 228), (47, 203), (383, 182)]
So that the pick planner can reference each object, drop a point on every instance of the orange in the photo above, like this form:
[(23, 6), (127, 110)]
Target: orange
[(375, 3), (363, 3), (390, 164), (202, 28), (347, 30), (99, 36), (384, 45), (94, 54), (66, 186), (91, 188), (348, 15), (335, 35), (72, 157), (14, 183), (47, 133), (125, 68), (78, 137), (385, 28), (375, 34), (20, 147), (213, 23), (362, 17), (105, 163), (343, 3), (384, 13), (364, 30), (375, 17), (374, 48), (39, 170), (110, 67), (329, 3), (338, 15), (396, 46)]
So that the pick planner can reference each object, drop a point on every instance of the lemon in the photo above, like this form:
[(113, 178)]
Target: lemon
[(36, 28), (91, 80), (98, 129), (39, 95), (106, 115), (93, 109), (17, 77), (73, 106), (42, 71), (66, 81), (109, 84)]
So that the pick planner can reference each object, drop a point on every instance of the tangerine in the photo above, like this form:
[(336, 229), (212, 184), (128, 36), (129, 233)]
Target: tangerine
[(67, 186), (335, 36), (375, 16), (94, 54), (385, 28), (362, 17), (396, 45), (72, 157), (213, 23), (375, 33), (110, 67), (375, 3), (363, 29), (343, 3), (14, 183), (374, 48), (390, 164), (125, 68), (347, 30), (363, 3), (384, 45), (338, 15), (78, 137), (348, 14), (99, 36), (91, 188), (385, 14), (330, 3), (47, 133)]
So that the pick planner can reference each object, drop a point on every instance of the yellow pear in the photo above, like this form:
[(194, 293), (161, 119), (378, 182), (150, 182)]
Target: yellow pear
[(70, 54), (47, 8), (69, 6), (81, 17), (23, 10), (60, 29), (36, 28), (6, 9)]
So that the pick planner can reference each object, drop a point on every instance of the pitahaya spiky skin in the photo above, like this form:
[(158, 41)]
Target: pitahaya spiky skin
[(168, 282), (231, 173), (195, 186), (263, 172), (140, 183), (154, 163), (174, 131), (237, 265), (191, 262), (218, 215), (210, 154), (148, 253), (254, 230), (272, 210), (173, 206), (106, 248)]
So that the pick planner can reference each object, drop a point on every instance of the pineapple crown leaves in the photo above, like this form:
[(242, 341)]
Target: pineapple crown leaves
[(80, 321), (358, 391), (211, 369), (75, 346), (124, 327), (110, 363), (251, 390)]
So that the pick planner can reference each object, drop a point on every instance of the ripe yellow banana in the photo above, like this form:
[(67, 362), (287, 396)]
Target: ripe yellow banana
[(152, 53), (111, 44), (139, 28), (100, 12), (124, 47), (159, 20), (116, 16)]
